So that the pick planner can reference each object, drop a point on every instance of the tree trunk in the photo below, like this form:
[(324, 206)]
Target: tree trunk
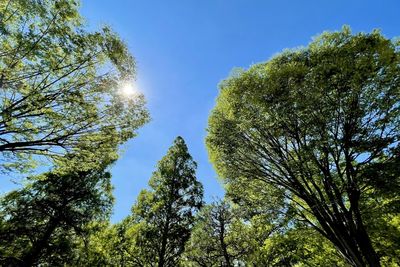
[(366, 248), (161, 256), (223, 244), (33, 255), (164, 240), (362, 237), (349, 236)]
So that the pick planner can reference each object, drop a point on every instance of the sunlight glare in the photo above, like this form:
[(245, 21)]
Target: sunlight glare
[(128, 89)]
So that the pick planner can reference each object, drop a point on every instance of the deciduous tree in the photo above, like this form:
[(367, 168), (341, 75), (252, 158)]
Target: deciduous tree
[(59, 86), (219, 238), (316, 122)]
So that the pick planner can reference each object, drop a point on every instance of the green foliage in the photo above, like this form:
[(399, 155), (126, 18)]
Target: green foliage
[(59, 87), (39, 223), (382, 218), (104, 245), (307, 144), (318, 123), (298, 247), (163, 216), (220, 238)]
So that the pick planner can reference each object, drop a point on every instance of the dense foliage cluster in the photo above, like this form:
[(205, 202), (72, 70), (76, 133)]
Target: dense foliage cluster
[(306, 144), (38, 224)]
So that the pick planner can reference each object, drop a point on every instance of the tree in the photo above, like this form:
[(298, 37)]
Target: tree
[(275, 237), (105, 244), (316, 122), (59, 86), (39, 223), (163, 216), (219, 237)]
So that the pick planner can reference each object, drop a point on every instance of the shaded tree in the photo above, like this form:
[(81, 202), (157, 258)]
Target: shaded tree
[(39, 223), (59, 86), (315, 122)]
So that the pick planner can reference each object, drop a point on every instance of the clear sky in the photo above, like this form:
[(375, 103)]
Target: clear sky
[(185, 48)]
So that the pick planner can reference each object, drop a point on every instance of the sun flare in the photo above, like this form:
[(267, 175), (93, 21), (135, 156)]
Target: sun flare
[(128, 89)]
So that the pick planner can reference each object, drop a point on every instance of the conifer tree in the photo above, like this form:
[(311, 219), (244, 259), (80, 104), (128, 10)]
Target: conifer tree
[(164, 215)]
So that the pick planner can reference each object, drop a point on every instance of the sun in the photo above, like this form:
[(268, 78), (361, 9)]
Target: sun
[(128, 89)]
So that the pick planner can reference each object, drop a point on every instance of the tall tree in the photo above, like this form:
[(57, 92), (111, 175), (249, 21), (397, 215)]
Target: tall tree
[(164, 215), (39, 223), (316, 122), (59, 86)]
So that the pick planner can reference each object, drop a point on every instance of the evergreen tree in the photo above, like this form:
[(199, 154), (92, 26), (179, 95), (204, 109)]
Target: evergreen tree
[(164, 215), (40, 223)]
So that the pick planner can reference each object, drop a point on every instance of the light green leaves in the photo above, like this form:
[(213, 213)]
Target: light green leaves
[(59, 85)]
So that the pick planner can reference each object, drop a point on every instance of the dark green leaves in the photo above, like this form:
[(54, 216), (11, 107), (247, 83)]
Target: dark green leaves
[(40, 223), (163, 216)]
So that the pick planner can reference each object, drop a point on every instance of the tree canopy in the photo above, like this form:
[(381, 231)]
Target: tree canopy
[(306, 144), (59, 86), (322, 124)]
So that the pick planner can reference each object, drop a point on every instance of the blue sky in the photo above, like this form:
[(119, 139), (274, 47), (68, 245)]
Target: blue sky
[(185, 48)]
